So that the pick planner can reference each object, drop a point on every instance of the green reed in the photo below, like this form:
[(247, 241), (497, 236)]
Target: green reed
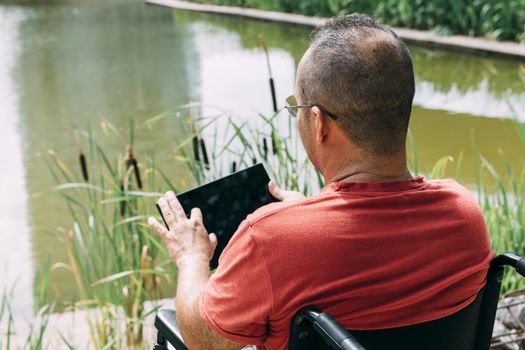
[(6, 320), (111, 253), (504, 212), (32, 337), (501, 20)]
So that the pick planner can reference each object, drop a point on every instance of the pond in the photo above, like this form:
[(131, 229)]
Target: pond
[(66, 64)]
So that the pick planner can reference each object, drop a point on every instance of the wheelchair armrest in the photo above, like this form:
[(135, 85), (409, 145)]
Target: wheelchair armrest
[(166, 324), (510, 259), (334, 334)]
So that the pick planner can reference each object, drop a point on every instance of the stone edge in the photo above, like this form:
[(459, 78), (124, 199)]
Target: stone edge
[(458, 43)]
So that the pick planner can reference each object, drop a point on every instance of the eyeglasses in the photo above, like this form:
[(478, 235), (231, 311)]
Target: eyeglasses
[(293, 108)]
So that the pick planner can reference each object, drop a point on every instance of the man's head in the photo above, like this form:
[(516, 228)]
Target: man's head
[(360, 71)]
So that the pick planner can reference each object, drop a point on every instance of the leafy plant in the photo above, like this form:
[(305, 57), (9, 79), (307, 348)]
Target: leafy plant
[(500, 20)]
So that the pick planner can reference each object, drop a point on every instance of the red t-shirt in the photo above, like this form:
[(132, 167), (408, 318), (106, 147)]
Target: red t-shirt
[(374, 255)]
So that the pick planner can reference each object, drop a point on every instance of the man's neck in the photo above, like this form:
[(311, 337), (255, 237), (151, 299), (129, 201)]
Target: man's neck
[(371, 177), (368, 170)]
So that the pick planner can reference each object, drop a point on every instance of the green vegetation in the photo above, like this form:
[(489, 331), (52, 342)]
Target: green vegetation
[(32, 338), (116, 261), (500, 20)]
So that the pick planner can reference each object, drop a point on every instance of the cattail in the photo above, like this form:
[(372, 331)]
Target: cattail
[(234, 166), (83, 166), (205, 155), (274, 144), (272, 86), (122, 202), (162, 216), (137, 172), (195, 143), (82, 158), (272, 91), (196, 154), (132, 162), (265, 149)]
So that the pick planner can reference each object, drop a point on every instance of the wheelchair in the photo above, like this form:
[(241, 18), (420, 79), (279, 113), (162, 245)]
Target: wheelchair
[(468, 329)]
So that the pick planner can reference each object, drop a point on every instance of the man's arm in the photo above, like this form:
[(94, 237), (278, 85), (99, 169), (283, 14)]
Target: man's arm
[(193, 274), (191, 248)]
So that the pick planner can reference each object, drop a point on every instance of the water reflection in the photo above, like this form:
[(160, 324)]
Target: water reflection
[(76, 63), (460, 99), (468, 84), (16, 268), (439, 133), (446, 81)]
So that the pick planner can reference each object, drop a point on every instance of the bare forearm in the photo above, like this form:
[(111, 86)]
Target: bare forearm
[(194, 274)]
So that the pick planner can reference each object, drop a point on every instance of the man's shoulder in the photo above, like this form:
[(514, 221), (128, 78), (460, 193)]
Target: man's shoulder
[(279, 212), (453, 187), (446, 183), (274, 211), (459, 200)]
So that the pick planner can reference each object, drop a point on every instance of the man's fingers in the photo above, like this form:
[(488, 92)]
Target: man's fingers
[(167, 213), (275, 191), (213, 241), (196, 215), (283, 195), (175, 205), (158, 227)]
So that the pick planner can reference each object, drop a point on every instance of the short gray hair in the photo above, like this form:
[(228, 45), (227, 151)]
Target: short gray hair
[(361, 71)]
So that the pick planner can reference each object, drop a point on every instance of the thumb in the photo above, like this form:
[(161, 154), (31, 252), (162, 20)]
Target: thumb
[(275, 190), (213, 241)]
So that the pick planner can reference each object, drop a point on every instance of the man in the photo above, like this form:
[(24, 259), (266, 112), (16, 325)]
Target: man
[(377, 248)]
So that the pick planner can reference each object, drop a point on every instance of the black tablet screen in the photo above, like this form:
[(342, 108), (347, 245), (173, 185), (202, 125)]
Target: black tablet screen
[(227, 201)]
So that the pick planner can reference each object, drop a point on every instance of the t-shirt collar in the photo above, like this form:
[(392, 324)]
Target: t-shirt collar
[(383, 186)]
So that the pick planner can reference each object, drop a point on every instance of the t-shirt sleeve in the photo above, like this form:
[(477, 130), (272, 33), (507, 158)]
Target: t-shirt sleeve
[(237, 300)]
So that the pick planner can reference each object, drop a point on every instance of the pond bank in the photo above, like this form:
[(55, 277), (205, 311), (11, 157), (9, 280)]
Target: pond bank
[(72, 330), (457, 43)]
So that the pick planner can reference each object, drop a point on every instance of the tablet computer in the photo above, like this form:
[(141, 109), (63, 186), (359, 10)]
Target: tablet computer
[(226, 202)]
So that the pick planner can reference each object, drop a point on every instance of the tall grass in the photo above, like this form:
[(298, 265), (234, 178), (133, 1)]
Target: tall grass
[(13, 335), (111, 254), (6, 320), (501, 20), (504, 209)]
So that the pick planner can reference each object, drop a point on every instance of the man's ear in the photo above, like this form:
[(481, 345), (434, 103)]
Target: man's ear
[(320, 124)]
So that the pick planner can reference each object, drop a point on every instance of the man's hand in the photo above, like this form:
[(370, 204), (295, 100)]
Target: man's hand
[(191, 248), (186, 238), (283, 195)]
